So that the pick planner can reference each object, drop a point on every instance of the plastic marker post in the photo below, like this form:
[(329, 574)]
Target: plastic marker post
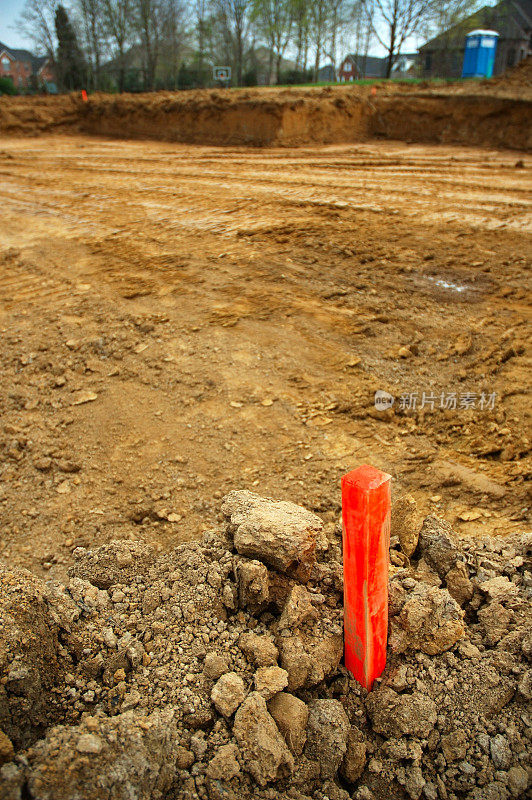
[(84, 95), (366, 499)]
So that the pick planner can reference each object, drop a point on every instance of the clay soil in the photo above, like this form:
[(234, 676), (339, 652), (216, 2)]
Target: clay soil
[(178, 321)]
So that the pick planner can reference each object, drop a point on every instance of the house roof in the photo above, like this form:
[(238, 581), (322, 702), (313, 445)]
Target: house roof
[(37, 62), (372, 64), (512, 19)]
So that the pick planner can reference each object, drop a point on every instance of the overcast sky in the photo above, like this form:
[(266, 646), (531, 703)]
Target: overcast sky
[(9, 12)]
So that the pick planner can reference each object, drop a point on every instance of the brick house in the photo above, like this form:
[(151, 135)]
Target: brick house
[(26, 70), (443, 56), (354, 67)]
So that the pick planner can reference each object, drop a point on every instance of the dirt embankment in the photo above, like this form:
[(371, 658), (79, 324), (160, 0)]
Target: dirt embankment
[(484, 114)]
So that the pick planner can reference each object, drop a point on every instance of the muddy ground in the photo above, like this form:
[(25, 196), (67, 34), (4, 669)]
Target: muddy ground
[(178, 321)]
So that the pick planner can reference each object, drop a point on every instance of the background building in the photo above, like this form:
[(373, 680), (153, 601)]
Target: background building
[(443, 56), (26, 70)]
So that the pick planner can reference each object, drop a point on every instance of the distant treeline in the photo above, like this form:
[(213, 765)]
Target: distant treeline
[(133, 45)]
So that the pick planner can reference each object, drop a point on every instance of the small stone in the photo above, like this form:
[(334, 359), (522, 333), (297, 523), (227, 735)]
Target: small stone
[(394, 715), (215, 665), (89, 743), (525, 685), (291, 715), (83, 397), (517, 781), (458, 584), (253, 585), (184, 758), (404, 352), (270, 680), (7, 752), (430, 621), (355, 756), (224, 765), (454, 746), (259, 650), (406, 523), (298, 608), (227, 694), (265, 753), (278, 533), (437, 545), (327, 732), (501, 755)]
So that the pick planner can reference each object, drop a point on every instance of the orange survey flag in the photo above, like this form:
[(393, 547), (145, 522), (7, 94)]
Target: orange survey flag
[(366, 501)]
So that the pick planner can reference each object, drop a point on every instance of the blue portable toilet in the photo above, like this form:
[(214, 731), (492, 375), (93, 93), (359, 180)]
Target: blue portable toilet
[(479, 56)]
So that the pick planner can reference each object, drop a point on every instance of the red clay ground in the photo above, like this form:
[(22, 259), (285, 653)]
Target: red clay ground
[(177, 321)]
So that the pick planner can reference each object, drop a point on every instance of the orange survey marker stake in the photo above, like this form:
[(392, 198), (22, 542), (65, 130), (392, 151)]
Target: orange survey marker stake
[(366, 500), (84, 95)]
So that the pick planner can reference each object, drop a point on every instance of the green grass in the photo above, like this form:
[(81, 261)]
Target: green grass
[(361, 82)]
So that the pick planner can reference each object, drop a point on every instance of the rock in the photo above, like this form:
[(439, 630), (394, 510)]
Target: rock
[(394, 715), (270, 680), (454, 746), (298, 608), (224, 765), (327, 732), (253, 584), (309, 659), (291, 716), (265, 753), (414, 782), (495, 620), (525, 685), (259, 650), (501, 755), (518, 781), (355, 756), (437, 545), (429, 620), (459, 586), (117, 562), (500, 589), (183, 757), (426, 574), (281, 534), (89, 743), (406, 523), (215, 665), (227, 693), (7, 751), (83, 396)]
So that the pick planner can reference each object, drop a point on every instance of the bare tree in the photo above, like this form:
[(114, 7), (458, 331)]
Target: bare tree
[(91, 15), (234, 17), (148, 20), (343, 15), (118, 18), (319, 17), (395, 20), (302, 32), (37, 22), (275, 20)]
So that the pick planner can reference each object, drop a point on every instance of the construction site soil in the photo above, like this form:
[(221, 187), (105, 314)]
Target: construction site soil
[(493, 113), (179, 321)]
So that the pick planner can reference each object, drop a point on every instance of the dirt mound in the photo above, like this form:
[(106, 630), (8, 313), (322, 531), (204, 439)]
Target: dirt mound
[(519, 77), (266, 117), (211, 673)]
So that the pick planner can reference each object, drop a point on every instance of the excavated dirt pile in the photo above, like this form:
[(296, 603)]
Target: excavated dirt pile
[(214, 670), (492, 113)]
